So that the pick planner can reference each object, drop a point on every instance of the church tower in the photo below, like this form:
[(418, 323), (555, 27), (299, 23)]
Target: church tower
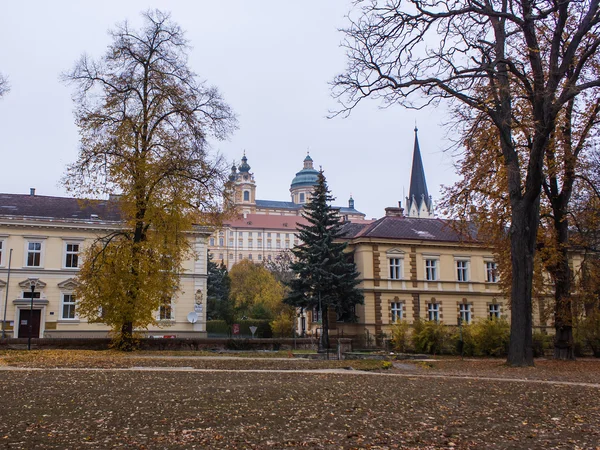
[(418, 202), (244, 187), (304, 182)]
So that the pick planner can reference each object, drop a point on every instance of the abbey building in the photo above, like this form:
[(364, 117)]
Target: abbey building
[(262, 228)]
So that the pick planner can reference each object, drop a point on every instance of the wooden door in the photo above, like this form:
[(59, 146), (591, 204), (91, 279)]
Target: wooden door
[(24, 316)]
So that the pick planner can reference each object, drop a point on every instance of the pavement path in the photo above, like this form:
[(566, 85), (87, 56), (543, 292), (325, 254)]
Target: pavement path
[(314, 372)]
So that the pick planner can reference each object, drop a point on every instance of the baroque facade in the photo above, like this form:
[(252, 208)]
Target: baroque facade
[(42, 238), (263, 228)]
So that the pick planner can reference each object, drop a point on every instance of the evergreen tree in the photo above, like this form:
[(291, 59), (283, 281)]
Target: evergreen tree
[(219, 305), (325, 275)]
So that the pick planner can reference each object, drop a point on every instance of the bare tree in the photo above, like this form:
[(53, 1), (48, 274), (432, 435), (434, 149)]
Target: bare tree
[(481, 56), (4, 87)]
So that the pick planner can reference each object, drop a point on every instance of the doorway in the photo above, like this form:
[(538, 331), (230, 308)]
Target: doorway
[(24, 318)]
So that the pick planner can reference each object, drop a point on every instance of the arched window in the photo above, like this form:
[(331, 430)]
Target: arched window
[(302, 198), (246, 196)]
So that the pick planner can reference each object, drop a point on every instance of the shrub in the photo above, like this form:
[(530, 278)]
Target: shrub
[(430, 337), (491, 337), (400, 336), (589, 332), (541, 343), (282, 325)]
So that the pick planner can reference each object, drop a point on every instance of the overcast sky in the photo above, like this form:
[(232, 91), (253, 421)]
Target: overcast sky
[(272, 61)]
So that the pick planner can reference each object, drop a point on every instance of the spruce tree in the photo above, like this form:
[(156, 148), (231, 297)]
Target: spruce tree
[(325, 276), (219, 304)]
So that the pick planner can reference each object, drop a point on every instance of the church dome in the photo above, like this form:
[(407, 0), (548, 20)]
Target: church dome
[(244, 167), (308, 176)]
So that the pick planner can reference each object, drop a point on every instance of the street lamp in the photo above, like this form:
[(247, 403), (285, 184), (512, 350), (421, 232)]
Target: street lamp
[(32, 284)]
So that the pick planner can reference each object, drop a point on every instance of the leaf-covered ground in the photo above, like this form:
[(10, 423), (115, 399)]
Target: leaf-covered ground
[(112, 407)]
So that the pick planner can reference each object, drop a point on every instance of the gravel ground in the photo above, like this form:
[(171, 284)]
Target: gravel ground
[(160, 409)]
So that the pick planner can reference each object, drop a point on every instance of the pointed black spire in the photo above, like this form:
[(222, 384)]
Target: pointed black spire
[(418, 185)]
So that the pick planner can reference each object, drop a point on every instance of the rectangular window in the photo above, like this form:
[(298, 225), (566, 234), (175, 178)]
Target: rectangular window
[(231, 256), (259, 243), (491, 272), (278, 235), (68, 306), (316, 314), (34, 254), (231, 242), (494, 311), (260, 257), (269, 243), (269, 257), (220, 256), (231, 234), (268, 235), (240, 257), (431, 269), (250, 256), (433, 311), (278, 244), (165, 310), (260, 234), (396, 309), (395, 268), (72, 255), (464, 313), (1, 253), (27, 294), (212, 242), (287, 244), (250, 243), (462, 270), (221, 242), (240, 243)]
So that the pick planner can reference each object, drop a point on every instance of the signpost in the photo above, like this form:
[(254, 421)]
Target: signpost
[(236, 328), (253, 330)]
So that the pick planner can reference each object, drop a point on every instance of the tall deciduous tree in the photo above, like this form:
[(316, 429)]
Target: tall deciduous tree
[(325, 276), (144, 120), (482, 57)]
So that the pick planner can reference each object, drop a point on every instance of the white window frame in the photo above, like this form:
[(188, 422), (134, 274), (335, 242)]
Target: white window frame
[(494, 311), (433, 312), (432, 270), (465, 313), (40, 252), (66, 253), (396, 309), (171, 308), (316, 315), (395, 268), (491, 272), (63, 304), (462, 270)]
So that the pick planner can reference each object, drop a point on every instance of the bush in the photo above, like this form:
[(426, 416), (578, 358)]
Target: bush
[(541, 343), (490, 337), (400, 336), (283, 325), (589, 332), (221, 328), (430, 337)]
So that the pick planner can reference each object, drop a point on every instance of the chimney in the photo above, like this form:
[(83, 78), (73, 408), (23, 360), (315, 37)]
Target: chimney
[(395, 212), (32, 192)]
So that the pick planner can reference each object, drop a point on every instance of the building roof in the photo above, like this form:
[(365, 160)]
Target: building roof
[(64, 208), (266, 221), (276, 204), (410, 228)]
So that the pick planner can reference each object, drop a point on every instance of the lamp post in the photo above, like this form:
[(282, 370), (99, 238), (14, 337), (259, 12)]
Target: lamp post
[(32, 284)]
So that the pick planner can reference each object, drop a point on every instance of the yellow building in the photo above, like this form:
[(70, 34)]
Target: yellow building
[(46, 236)]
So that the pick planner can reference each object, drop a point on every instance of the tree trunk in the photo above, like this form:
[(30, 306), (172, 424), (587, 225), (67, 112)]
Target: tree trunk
[(525, 219), (563, 304), (126, 342), (325, 326)]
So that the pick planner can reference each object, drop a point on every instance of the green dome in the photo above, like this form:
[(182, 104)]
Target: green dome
[(306, 177)]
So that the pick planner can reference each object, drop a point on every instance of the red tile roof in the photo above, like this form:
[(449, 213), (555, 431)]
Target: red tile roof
[(266, 221)]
